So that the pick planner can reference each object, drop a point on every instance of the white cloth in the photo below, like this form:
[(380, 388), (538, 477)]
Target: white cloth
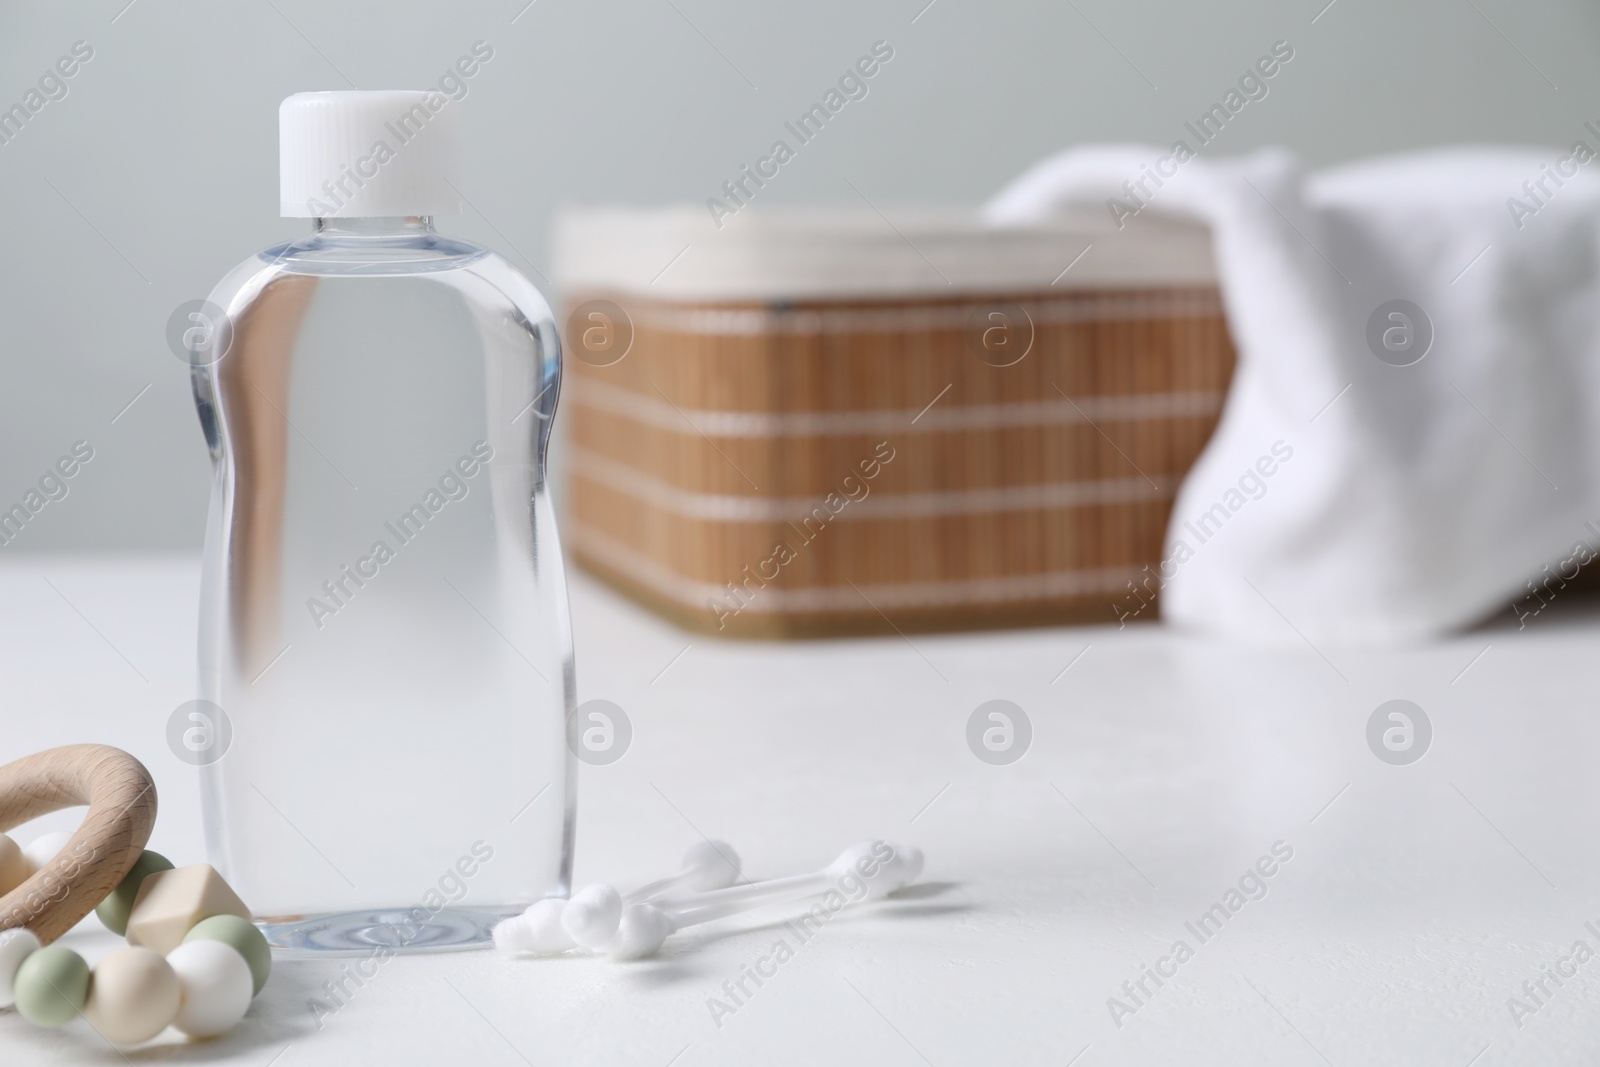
[(1418, 498)]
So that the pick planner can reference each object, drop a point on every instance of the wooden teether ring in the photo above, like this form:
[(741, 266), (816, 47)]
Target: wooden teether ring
[(122, 809)]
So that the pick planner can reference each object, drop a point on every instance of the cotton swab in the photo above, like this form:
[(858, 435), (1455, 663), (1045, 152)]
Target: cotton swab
[(589, 918), (707, 865), (643, 927), (631, 927), (537, 931), (892, 867)]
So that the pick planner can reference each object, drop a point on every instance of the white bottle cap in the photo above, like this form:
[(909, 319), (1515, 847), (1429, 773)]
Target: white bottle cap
[(367, 154)]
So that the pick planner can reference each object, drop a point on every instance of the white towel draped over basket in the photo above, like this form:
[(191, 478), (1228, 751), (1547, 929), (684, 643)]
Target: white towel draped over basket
[(1404, 500)]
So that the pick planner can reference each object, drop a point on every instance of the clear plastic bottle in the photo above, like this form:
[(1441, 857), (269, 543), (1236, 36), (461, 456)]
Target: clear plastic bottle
[(384, 615)]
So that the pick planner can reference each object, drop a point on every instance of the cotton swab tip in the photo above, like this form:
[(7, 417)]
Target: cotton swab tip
[(536, 932), (711, 865), (591, 916), (640, 932), (883, 867), (513, 935)]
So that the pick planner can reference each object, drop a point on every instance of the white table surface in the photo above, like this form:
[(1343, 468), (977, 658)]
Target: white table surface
[(1418, 899)]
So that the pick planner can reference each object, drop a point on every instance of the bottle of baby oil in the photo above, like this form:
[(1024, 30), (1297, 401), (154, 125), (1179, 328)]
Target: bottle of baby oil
[(383, 625)]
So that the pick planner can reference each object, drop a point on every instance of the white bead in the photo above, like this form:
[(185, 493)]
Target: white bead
[(42, 849), (216, 986), (15, 946)]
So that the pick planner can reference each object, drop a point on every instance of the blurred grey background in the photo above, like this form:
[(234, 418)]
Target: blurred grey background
[(157, 171)]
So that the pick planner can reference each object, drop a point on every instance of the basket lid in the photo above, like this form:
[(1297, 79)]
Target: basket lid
[(794, 253)]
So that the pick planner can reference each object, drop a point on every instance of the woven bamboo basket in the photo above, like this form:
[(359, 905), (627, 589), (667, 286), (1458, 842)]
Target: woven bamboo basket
[(823, 423)]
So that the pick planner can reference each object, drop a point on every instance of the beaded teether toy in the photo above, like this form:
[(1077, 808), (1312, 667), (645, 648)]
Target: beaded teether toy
[(194, 959)]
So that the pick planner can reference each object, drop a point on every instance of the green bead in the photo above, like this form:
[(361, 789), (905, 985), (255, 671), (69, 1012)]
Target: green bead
[(114, 910), (52, 986), (243, 937)]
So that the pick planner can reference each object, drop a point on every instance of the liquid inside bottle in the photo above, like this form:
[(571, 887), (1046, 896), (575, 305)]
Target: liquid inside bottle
[(384, 616)]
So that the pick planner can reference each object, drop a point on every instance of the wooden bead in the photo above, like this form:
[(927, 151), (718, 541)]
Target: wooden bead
[(133, 996), (244, 938), (52, 986), (170, 903), (13, 865), (216, 985), (113, 911), (15, 946)]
